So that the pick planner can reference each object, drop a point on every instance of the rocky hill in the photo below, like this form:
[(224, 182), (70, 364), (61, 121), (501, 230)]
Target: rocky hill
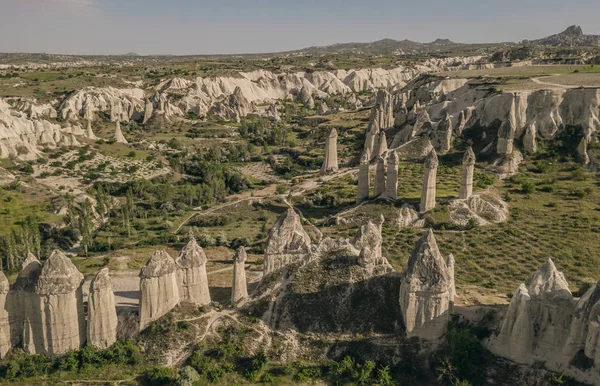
[(573, 36)]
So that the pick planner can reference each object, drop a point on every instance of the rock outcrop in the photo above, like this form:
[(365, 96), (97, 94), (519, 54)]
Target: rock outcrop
[(380, 145), (429, 182), (58, 322), (287, 242), (191, 274), (159, 291), (330, 161), (484, 208), (408, 217), (380, 175), (364, 178), (89, 133), (427, 290), (466, 179), (306, 98), (239, 288), (102, 312), (368, 241), (234, 107)]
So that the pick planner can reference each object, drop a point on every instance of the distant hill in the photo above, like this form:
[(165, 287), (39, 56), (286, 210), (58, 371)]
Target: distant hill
[(573, 36), (381, 46)]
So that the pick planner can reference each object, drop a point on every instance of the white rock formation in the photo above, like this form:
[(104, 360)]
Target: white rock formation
[(381, 145), (89, 133), (408, 217), (484, 208), (239, 288), (119, 137), (191, 274), (538, 319), (61, 325), (466, 180), (306, 98), (427, 290), (234, 107), (330, 161), (102, 312), (287, 242), (368, 240), (364, 179), (159, 292), (380, 176), (429, 182), (372, 137)]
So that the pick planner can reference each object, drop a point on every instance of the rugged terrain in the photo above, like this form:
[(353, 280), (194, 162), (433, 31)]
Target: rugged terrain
[(375, 217)]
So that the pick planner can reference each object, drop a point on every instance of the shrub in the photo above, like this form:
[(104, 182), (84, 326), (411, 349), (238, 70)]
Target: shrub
[(159, 376), (528, 187)]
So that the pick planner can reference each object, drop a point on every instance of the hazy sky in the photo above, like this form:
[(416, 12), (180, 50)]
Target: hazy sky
[(227, 26)]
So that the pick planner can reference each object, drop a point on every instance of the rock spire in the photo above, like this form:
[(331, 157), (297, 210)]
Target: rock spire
[(239, 288), (466, 182), (429, 182), (427, 289), (191, 274), (330, 162), (380, 176), (102, 312), (364, 179), (391, 181), (119, 137), (287, 241), (159, 291)]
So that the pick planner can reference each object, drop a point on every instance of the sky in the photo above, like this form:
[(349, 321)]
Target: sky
[(186, 27)]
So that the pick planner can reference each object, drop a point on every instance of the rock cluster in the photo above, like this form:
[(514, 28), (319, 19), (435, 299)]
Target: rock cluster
[(330, 162), (287, 242), (427, 290), (191, 274), (159, 290), (544, 323)]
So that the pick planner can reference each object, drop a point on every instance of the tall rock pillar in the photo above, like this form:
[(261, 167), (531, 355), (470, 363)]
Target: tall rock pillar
[(119, 137), (102, 312), (330, 163), (159, 292), (363, 177), (466, 182), (5, 341), (379, 188), (191, 274), (429, 181), (239, 288), (391, 182), (427, 290)]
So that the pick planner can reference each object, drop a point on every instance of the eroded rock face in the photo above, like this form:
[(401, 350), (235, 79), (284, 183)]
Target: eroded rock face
[(427, 290), (159, 291), (57, 324), (287, 241), (305, 97), (239, 288), (102, 312), (538, 319), (191, 274), (330, 162)]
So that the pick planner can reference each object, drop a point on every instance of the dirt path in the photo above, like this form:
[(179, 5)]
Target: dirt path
[(557, 85)]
